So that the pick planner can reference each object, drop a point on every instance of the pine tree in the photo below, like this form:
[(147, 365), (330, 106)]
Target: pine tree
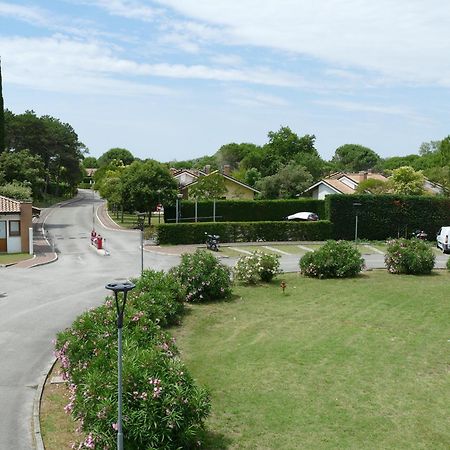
[(2, 114)]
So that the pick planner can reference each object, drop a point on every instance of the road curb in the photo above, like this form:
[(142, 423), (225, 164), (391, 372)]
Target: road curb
[(37, 436), (109, 228)]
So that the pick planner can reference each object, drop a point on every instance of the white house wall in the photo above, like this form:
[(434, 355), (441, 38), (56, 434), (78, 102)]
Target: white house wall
[(13, 243), (322, 191)]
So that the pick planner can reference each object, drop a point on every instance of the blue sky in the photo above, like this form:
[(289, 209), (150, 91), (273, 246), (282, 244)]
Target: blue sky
[(176, 79)]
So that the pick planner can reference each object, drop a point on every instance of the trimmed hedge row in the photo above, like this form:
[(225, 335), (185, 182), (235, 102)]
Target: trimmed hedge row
[(243, 210), (386, 216), (194, 233)]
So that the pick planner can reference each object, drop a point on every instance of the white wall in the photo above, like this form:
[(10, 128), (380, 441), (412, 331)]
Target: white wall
[(322, 191), (14, 243)]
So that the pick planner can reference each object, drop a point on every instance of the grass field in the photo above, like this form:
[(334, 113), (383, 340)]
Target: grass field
[(12, 258), (352, 364)]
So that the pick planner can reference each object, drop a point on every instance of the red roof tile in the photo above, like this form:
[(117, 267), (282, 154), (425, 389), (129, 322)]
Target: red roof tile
[(8, 205)]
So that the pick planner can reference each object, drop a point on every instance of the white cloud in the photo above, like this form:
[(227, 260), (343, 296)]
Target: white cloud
[(60, 63), (127, 8), (27, 14), (250, 98), (406, 40)]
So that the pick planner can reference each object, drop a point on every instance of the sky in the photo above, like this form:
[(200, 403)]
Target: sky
[(176, 79)]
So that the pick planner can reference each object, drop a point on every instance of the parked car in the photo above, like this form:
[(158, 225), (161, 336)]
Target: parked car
[(442, 239), (310, 216)]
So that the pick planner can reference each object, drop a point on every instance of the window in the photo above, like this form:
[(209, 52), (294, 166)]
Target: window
[(14, 227)]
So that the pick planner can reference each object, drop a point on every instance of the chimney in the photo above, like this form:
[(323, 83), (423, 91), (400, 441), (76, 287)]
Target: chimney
[(227, 169), (363, 175), (207, 169)]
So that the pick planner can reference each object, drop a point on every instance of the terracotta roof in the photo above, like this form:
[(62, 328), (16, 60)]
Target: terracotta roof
[(8, 205)]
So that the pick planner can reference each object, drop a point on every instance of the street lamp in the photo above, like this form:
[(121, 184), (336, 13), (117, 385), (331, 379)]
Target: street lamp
[(118, 287), (159, 205), (141, 221), (356, 205), (179, 197)]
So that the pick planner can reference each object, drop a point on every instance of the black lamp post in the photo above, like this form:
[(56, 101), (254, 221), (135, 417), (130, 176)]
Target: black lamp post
[(356, 205), (118, 287), (141, 222)]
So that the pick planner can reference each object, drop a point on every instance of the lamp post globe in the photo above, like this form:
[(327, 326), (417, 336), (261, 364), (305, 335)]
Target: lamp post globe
[(120, 287)]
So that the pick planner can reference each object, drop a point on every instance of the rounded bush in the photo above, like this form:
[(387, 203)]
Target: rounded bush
[(161, 295), (163, 407), (203, 277), (335, 259), (258, 266), (409, 257)]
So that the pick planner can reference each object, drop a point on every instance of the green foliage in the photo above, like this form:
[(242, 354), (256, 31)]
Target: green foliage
[(232, 154), (194, 233), (406, 181), (409, 257), (116, 154), (90, 162), (22, 166), (162, 406), (203, 277), (354, 157), (373, 186), (161, 296), (245, 210), (289, 182), (258, 266), (208, 187), (448, 264), (386, 216), (2, 115), (141, 182), (55, 142), (335, 259), (16, 191)]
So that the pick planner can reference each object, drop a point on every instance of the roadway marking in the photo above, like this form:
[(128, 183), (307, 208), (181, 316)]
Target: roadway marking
[(240, 250), (276, 250), (305, 248)]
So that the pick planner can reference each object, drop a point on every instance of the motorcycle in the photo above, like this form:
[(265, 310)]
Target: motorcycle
[(420, 234), (212, 242)]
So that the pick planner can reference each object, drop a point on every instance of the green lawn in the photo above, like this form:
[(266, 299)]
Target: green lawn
[(12, 258), (351, 364), (131, 220)]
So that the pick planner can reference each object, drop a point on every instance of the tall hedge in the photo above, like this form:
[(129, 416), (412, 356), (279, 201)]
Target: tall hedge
[(243, 210), (384, 216), (194, 233)]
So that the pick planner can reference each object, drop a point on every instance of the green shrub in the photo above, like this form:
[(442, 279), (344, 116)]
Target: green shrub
[(243, 210), (384, 216), (258, 266), (161, 296), (162, 406), (335, 259), (194, 233), (448, 264), (203, 277), (409, 256)]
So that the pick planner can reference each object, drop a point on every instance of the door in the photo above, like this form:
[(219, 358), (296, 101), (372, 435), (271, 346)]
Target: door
[(3, 246)]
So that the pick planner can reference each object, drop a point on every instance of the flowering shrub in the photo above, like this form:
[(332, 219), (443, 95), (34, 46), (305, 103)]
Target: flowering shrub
[(409, 256), (203, 277), (161, 296), (162, 406), (335, 259), (257, 266)]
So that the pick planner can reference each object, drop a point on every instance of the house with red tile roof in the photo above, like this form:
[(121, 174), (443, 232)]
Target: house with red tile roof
[(15, 224)]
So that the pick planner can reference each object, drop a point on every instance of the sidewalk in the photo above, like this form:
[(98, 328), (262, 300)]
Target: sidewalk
[(43, 251)]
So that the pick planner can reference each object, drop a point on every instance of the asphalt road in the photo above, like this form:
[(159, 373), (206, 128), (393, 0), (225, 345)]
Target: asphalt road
[(36, 303)]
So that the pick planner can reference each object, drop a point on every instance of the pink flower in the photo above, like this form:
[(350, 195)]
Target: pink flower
[(115, 426)]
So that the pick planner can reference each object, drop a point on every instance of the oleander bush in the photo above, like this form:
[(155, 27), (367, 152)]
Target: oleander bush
[(161, 295), (203, 277), (163, 408), (409, 256), (335, 259), (258, 266)]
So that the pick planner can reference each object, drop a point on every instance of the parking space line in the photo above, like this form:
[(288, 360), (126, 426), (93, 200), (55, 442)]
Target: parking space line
[(281, 252), (240, 250), (305, 248), (374, 249)]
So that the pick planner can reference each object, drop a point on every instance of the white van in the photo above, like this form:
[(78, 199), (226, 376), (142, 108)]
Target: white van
[(443, 239)]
